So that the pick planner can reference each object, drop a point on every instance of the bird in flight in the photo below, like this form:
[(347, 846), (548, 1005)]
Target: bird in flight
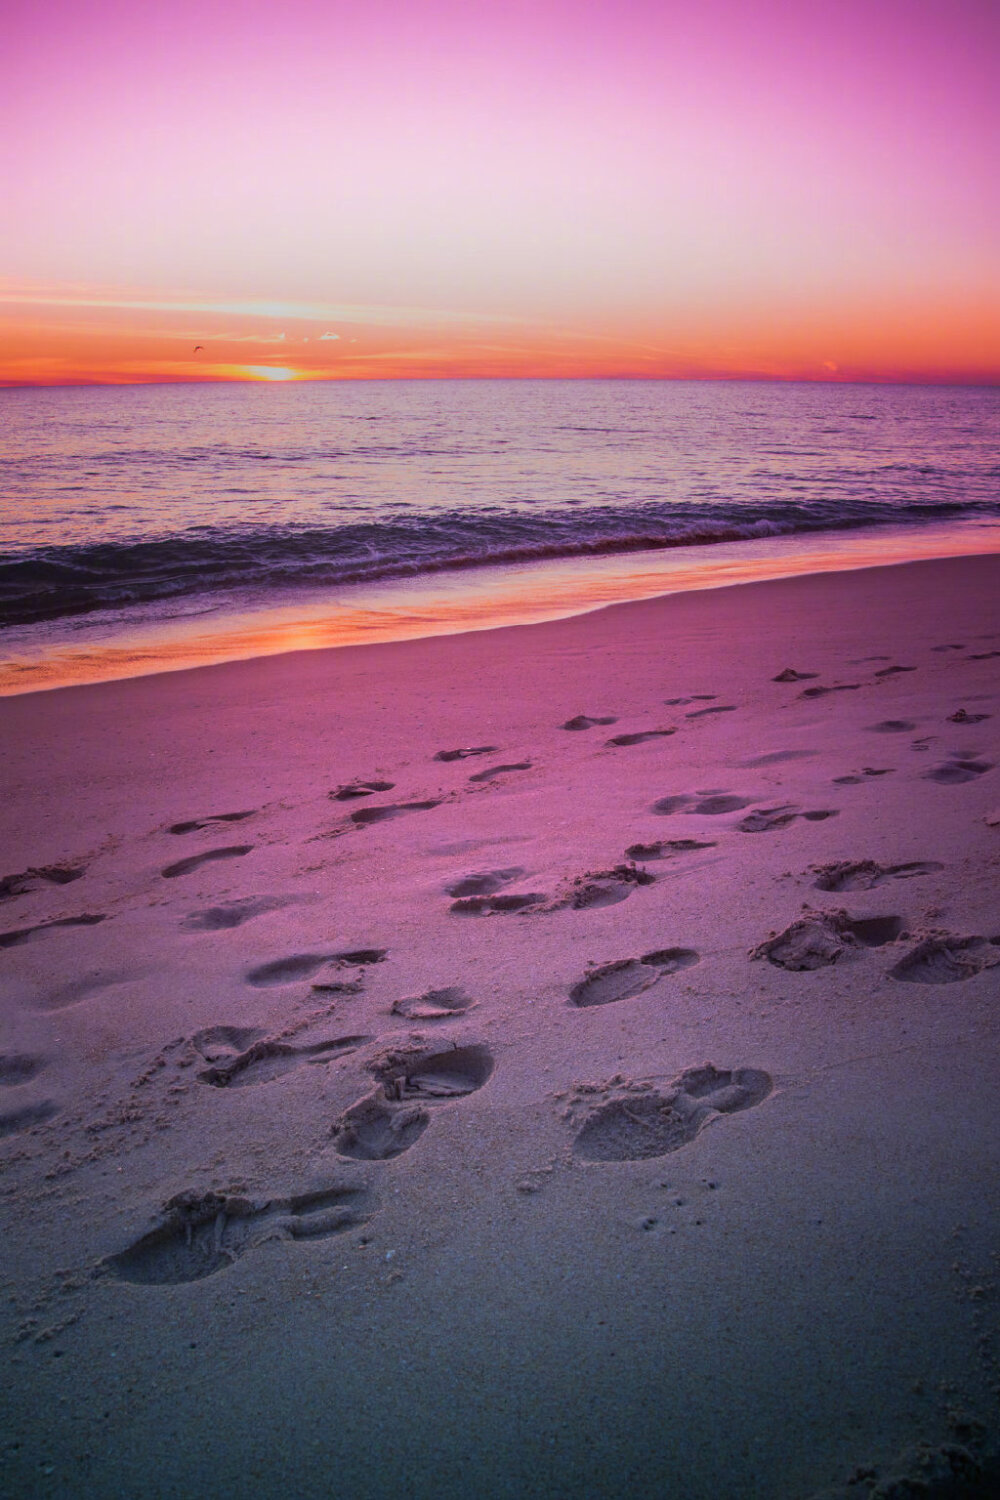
[(198, 348)]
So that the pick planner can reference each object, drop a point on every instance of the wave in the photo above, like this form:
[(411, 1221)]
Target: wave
[(48, 583)]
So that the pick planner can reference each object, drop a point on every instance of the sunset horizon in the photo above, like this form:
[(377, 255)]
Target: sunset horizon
[(423, 191)]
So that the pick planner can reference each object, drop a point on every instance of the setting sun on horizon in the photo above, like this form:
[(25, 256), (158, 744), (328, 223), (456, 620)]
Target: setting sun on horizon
[(428, 190)]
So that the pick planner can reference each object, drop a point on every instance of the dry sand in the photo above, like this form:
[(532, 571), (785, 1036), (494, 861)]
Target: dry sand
[(611, 1111)]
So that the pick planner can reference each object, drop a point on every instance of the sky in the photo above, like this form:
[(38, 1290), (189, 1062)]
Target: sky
[(241, 189)]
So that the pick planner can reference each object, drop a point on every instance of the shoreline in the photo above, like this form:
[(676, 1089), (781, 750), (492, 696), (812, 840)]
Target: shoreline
[(50, 656), (532, 1119)]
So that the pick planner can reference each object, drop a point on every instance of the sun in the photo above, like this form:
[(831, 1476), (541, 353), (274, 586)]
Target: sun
[(270, 372)]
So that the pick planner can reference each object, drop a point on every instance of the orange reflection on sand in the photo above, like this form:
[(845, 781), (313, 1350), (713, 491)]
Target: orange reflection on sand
[(479, 599)]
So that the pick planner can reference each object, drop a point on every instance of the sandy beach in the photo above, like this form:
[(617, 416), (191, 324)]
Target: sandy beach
[(556, 1061)]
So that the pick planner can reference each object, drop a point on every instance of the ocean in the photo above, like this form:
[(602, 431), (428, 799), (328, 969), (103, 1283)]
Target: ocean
[(146, 527)]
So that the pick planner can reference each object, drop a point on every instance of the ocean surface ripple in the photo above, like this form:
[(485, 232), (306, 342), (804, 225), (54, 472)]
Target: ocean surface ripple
[(122, 497)]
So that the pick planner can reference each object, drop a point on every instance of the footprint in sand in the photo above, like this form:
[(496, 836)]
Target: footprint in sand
[(640, 738), (185, 866), (627, 977), (892, 726), (28, 934), (388, 1122), (960, 716), (820, 939), (821, 692), (14, 1121), (213, 819), (204, 1232), (775, 757), (434, 1005), (269, 1058), (950, 647), (235, 913), (360, 789), (865, 874), (667, 848), (604, 887), (893, 671), (639, 1121), (709, 806), (719, 708), (366, 815), (19, 1067), (957, 770), (867, 771), (790, 675), (220, 1044), (488, 775), (770, 819), (480, 906), (33, 879), (483, 882), (465, 751), (586, 721), (303, 965), (694, 698), (941, 958)]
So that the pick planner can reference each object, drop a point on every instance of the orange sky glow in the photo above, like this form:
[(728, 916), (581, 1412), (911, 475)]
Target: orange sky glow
[(69, 337)]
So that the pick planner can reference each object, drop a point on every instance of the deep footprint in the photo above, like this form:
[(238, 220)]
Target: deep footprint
[(267, 1059), (31, 880), (627, 977), (426, 1076), (26, 934), (433, 1005), (605, 887), (646, 1122), (388, 1122), (865, 874), (185, 866), (943, 959), (372, 1130), (203, 1233), (719, 708), (820, 939), (667, 848)]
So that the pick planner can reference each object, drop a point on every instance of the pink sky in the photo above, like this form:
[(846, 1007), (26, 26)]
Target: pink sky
[(786, 189)]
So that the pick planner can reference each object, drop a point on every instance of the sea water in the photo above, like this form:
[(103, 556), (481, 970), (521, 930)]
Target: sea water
[(145, 527)]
